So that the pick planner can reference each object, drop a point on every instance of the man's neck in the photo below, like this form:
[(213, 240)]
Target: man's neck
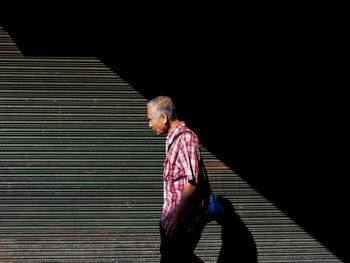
[(174, 124)]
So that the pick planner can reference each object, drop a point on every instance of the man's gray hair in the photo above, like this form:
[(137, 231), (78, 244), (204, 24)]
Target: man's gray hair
[(162, 104)]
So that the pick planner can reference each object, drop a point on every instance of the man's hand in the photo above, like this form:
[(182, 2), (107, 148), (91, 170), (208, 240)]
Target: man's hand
[(172, 227)]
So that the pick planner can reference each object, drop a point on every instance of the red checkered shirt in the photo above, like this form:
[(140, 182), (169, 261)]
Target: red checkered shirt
[(181, 165)]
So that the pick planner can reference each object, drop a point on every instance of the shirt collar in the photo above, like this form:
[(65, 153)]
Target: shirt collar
[(180, 127)]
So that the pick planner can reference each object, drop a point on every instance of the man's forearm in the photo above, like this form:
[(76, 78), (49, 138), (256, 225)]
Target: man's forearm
[(181, 209), (185, 198)]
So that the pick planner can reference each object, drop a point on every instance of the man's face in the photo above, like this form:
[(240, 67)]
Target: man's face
[(157, 124)]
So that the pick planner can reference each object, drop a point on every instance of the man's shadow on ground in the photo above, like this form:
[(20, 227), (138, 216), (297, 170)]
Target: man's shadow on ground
[(237, 242)]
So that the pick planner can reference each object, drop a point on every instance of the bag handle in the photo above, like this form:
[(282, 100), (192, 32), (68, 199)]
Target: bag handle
[(202, 168), (175, 137)]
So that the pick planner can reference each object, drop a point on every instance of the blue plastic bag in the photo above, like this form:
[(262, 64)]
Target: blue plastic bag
[(214, 207)]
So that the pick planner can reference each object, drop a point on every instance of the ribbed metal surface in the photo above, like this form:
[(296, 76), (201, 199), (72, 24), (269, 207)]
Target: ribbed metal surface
[(80, 173), (7, 47)]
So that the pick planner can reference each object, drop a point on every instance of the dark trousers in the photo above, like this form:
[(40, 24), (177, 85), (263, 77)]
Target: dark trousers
[(180, 247)]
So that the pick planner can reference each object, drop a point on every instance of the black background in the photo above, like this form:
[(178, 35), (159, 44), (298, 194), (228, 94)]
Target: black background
[(260, 85)]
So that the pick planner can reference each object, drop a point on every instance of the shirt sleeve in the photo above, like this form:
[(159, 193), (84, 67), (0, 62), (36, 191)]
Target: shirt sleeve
[(188, 158)]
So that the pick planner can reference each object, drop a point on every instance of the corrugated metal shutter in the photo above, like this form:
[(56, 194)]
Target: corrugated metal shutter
[(7, 47), (80, 173)]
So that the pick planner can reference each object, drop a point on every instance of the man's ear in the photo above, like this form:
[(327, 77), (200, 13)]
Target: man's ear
[(164, 118)]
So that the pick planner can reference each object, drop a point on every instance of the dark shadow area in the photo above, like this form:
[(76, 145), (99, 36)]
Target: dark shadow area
[(261, 89), (237, 242)]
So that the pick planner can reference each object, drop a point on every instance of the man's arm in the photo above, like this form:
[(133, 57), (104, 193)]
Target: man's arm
[(175, 222)]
